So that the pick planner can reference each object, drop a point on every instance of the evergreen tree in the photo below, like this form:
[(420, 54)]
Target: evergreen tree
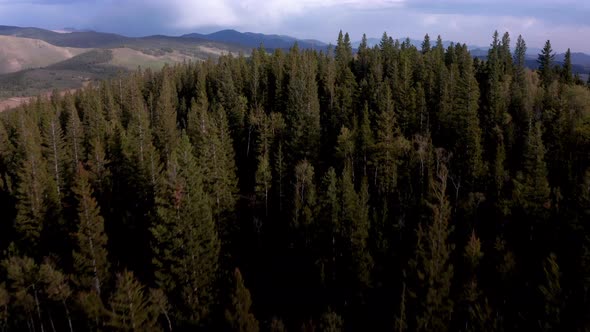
[(22, 274), (531, 187), (552, 294), (186, 244), (90, 255), (545, 61), (389, 145), (32, 185), (131, 308), (164, 119), (433, 251), (566, 74), (239, 316), (74, 135), (331, 322), (305, 198), (302, 115), (4, 301), (57, 288), (426, 44)]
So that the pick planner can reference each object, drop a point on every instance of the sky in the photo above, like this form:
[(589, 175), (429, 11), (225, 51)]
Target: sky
[(565, 22)]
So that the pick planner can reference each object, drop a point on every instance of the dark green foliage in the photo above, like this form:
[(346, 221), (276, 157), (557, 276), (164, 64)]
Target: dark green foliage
[(394, 188), (545, 60), (186, 242), (238, 315)]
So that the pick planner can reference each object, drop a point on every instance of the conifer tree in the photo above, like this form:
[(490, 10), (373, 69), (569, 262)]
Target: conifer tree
[(137, 145), (186, 243), (331, 322), (365, 141), (389, 146), (239, 316), (131, 308), (4, 301), (74, 136), (552, 293), (545, 61), (90, 256), (302, 115), (57, 288), (426, 44), (264, 180), (161, 304), (165, 117), (22, 274), (215, 155), (32, 185), (567, 76), (433, 252), (54, 151), (304, 199), (532, 188)]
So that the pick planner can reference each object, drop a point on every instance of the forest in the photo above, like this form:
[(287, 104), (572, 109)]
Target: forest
[(386, 188)]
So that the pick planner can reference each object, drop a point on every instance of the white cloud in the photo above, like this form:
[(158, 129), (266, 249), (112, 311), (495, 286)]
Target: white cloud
[(194, 14)]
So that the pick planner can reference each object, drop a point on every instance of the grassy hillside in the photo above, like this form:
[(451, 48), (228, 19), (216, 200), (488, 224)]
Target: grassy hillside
[(33, 66), (24, 53)]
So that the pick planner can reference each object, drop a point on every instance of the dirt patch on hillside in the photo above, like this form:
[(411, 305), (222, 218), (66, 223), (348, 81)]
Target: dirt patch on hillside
[(14, 102)]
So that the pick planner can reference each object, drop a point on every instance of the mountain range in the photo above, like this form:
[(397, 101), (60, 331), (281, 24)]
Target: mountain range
[(254, 40)]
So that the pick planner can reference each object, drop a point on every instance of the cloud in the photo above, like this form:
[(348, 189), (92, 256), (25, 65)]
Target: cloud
[(194, 14), (469, 21)]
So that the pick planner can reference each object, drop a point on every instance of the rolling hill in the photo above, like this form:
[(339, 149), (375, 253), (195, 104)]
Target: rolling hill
[(24, 53), (34, 61)]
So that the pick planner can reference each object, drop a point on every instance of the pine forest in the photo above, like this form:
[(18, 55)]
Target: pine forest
[(385, 188)]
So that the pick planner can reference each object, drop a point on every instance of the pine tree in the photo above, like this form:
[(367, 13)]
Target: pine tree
[(239, 316), (54, 151), (4, 301), (22, 274), (74, 136), (304, 199), (57, 288), (434, 252), (32, 185), (331, 322), (186, 243), (165, 118), (302, 115), (264, 180), (468, 149), (355, 230), (161, 304), (131, 308), (365, 141), (552, 292), (566, 74), (215, 155), (389, 146), (138, 148), (426, 44), (90, 255), (545, 61), (532, 188)]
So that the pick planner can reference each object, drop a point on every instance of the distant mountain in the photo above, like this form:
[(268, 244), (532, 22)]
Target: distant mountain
[(33, 60), (254, 40)]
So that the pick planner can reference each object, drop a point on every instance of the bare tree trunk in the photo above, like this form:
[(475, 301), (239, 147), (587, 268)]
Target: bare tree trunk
[(38, 308), (51, 321), (68, 316)]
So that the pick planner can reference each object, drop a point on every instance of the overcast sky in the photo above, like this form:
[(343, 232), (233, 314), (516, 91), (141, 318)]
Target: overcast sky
[(565, 22)]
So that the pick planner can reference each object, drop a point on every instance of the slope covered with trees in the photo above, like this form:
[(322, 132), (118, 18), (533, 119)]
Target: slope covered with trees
[(393, 188)]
